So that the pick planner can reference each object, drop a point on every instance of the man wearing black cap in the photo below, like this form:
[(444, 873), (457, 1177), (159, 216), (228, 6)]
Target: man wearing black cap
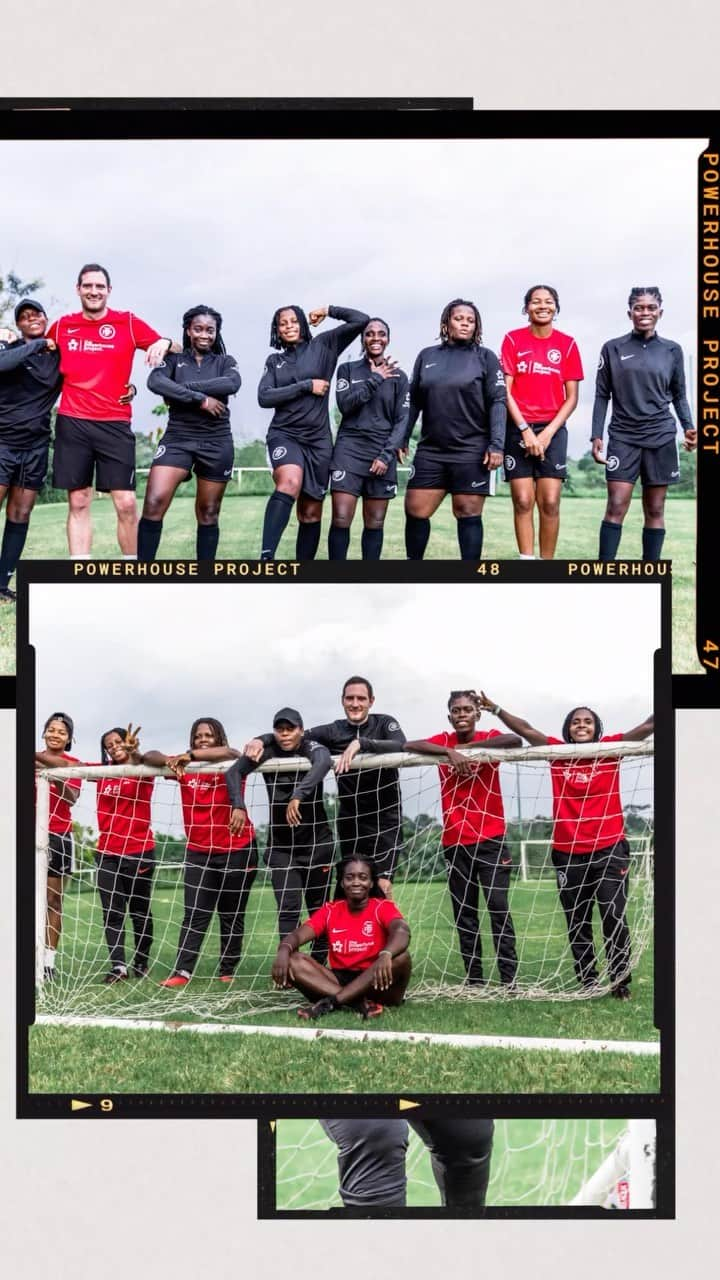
[(369, 823), (300, 850), (29, 385)]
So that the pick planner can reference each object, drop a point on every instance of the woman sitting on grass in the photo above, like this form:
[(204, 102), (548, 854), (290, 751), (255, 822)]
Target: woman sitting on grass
[(368, 943)]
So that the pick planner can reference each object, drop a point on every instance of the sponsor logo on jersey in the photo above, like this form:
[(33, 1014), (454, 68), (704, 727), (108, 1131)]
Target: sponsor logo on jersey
[(406, 401), (627, 357), (561, 466), (73, 344), (601, 363), (554, 356), (391, 488), (279, 364), (159, 451), (338, 475), (500, 378), (181, 364), (107, 331), (478, 484), (367, 929), (510, 462), (431, 365), (279, 452), (356, 381), (393, 726), (522, 366), (342, 384), (75, 330), (612, 463)]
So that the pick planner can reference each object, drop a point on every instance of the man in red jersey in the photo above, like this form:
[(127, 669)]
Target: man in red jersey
[(93, 437), (473, 836)]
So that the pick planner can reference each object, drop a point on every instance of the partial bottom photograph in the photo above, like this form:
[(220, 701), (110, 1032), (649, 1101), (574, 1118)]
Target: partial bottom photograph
[(457, 1165)]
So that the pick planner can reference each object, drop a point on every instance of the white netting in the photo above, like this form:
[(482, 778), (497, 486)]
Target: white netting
[(610, 1163), (544, 960)]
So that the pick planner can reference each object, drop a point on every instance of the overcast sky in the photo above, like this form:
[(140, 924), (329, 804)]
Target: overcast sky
[(167, 654), (391, 227)]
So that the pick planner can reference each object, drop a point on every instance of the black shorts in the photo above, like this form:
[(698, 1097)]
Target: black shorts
[(432, 469), (313, 456), (346, 976), (351, 474), (210, 457), (60, 854), (625, 461), (520, 465), (84, 447), (24, 468)]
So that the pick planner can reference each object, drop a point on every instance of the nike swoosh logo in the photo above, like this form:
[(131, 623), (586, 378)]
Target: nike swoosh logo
[(431, 366), (626, 357), (73, 330)]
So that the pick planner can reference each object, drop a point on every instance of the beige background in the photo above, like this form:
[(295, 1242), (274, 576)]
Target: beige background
[(100, 1202)]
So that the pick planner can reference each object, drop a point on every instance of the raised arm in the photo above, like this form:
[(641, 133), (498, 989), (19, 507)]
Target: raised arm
[(14, 354), (49, 760), (641, 731), (339, 338), (515, 723), (162, 383)]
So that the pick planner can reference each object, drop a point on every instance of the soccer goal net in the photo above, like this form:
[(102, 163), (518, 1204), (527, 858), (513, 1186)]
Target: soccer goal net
[(550, 1163), (545, 967)]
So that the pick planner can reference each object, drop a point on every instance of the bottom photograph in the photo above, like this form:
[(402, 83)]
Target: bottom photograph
[(462, 1166)]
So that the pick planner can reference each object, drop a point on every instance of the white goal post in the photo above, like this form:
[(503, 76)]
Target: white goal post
[(544, 962)]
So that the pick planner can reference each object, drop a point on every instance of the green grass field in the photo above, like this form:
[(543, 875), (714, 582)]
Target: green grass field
[(240, 539), (534, 1162), (112, 1060)]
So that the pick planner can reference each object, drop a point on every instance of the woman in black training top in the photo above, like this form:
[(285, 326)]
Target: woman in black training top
[(196, 385), (460, 390), (372, 396), (295, 384)]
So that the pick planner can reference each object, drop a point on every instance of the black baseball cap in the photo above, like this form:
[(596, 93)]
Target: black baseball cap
[(24, 303), (288, 715)]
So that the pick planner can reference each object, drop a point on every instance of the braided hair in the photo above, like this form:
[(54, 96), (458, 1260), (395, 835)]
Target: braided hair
[(549, 289), (218, 346), (217, 729), (104, 753), (568, 719), (638, 290), (305, 335), (445, 319)]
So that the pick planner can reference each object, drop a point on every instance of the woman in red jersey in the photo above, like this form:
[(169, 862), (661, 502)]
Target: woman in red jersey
[(125, 855), (57, 734), (590, 853), (542, 370), (473, 838), (368, 944), (220, 867)]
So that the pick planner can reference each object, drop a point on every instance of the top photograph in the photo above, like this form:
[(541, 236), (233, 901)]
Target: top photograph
[(350, 348)]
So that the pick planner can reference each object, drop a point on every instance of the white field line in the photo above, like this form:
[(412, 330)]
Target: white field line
[(638, 1047)]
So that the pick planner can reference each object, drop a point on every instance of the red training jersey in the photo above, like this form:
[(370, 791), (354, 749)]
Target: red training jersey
[(540, 367), (355, 938), (96, 359), (206, 814), (472, 806), (123, 816), (60, 817), (587, 808)]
